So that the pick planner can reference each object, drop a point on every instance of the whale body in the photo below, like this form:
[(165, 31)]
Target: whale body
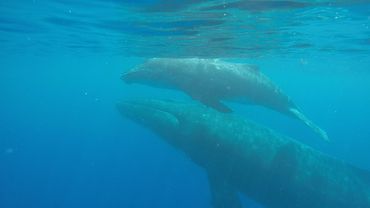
[(210, 81), (240, 156)]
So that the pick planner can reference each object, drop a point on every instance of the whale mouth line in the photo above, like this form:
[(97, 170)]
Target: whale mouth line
[(149, 105), (129, 77), (149, 113), (125, 75), (131, 72), (126, 104)]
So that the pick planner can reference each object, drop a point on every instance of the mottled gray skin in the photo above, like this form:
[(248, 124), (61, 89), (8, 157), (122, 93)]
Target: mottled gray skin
[(210, 81), (241, 156)]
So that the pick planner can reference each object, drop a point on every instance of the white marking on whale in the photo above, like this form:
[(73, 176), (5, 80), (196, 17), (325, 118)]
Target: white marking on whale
[(210, 81)]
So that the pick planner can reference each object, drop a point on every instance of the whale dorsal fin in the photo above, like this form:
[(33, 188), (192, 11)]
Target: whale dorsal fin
[(222, 193)]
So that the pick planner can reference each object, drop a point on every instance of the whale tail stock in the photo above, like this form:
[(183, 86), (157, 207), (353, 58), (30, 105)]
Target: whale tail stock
[(299, 115)]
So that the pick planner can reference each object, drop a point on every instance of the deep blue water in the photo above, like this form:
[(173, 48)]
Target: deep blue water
[(64, 144)]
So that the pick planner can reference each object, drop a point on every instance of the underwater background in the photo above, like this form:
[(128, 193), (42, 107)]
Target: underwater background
[(62, 140)]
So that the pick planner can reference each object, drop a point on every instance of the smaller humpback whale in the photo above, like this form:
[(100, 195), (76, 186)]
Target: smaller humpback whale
[(241, 156), (211, 80)]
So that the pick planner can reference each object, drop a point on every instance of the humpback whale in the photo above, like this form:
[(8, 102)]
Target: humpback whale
[(240, 156), (211, 80)]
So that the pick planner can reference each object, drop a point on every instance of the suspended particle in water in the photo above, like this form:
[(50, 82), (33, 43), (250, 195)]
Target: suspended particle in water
[(9, 151)]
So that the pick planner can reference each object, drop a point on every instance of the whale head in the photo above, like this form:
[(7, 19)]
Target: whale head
[(158, 116), (155, 72), (172, 121)]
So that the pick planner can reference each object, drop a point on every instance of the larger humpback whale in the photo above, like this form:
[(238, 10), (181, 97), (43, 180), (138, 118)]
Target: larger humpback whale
[(241, 156), (212, 80)]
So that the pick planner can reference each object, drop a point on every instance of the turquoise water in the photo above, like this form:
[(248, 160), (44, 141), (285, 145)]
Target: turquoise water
[(64, 144)]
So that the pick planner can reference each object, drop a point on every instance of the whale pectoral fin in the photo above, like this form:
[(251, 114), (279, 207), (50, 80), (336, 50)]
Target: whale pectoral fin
[(223, 195), (216, 104), (212, 102)]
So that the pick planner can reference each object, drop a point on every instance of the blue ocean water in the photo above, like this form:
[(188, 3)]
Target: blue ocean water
[(62, 140)]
